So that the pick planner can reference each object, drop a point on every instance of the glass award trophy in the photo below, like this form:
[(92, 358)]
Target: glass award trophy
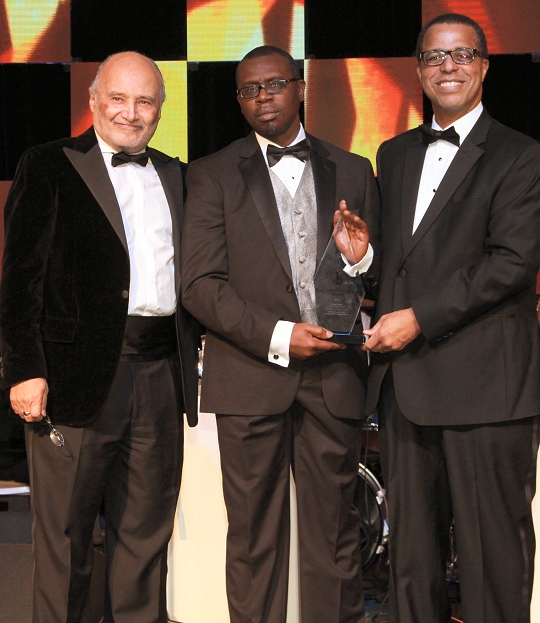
[(338, 297)]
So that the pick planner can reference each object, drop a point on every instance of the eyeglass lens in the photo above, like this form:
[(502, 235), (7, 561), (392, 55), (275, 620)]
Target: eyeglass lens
[(56, 436), (277, 86), (461, 56)]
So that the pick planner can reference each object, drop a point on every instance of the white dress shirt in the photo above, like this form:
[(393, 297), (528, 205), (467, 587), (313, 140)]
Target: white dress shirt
[(148, 226), (439, 156), (289, 170)]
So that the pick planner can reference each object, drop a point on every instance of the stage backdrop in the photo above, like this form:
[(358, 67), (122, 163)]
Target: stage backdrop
[(355, 54)]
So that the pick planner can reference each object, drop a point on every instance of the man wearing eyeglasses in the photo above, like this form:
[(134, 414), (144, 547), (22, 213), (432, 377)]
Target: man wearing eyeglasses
[(455, 346), (259, 215), (98, 354)]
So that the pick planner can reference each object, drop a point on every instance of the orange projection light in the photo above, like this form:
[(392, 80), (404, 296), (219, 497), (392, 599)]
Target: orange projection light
[(34, 32), (358, 103), (510, 27), (226, 30)]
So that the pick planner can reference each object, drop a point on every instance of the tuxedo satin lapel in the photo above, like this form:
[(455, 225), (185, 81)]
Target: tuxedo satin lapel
[(462, 163), (324, 176), (412, 172), (255, 173), (170, 175), (93, 171)]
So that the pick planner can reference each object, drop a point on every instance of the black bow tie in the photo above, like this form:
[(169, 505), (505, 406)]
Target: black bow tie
[(301, 151), (121, 158), (429, 135)]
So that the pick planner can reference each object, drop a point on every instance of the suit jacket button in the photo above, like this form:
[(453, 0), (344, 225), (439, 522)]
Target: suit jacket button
[(125, 294), (402, 272), (289, 288)]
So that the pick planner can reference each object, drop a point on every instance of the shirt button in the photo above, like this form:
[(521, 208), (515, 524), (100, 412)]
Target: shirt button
[(434, 190), (276, 356), (302, 284), (302, 234), (302, 260), (289, 288), (125, 294)]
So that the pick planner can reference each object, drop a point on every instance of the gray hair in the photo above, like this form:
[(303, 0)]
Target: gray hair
[(95, 83)]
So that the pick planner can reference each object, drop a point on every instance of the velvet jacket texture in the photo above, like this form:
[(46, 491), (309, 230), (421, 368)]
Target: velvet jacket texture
[(237, 280), (469, 273), (66, 278)]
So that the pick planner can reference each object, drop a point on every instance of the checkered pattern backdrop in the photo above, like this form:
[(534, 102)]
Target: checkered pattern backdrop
[(356, 56)]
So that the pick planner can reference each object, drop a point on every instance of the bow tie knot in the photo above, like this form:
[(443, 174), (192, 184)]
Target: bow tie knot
[(429, 135), (121, 158), (301, 151)]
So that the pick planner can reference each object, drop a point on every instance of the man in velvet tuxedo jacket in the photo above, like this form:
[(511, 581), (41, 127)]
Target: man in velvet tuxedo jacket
[(283, 394), (93, 337), (456, 344)]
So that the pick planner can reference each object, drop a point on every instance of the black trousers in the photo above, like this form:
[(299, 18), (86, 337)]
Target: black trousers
[(130, 457), (257, 453), (484, 478)]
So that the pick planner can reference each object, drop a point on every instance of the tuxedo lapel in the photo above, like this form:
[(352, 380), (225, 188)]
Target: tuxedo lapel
[(324, 176), (92, 169), (461, 165), (412, 172), (170, 175), (255, 174)]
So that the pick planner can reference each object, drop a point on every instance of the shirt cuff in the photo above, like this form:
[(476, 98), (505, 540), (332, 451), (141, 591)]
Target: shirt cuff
[(361, 266), (280, 342)]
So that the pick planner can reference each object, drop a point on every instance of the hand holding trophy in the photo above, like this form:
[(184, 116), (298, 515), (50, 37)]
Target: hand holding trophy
[(339, 296)]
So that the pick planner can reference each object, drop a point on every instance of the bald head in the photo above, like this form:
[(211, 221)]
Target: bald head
[(125, 100), (125, 55)]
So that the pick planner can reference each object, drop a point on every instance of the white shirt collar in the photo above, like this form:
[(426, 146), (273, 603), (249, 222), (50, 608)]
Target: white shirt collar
[(464, 124), (264, 142)]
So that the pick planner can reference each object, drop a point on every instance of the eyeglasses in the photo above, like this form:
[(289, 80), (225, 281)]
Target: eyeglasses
[(56, 436), (276, 86), (460, 56)]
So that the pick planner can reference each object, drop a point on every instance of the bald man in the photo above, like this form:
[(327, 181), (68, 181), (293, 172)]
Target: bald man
[(99, 357)]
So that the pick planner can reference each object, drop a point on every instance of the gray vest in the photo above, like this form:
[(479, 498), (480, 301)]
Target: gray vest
[(298, 217)]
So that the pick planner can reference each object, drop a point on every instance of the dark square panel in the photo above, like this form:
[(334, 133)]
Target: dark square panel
[(103, 27), (361, 28), (512, 92), (214, 117), (34, 109)]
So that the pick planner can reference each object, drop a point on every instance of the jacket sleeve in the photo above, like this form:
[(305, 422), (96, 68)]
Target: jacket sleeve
[(29, 221)]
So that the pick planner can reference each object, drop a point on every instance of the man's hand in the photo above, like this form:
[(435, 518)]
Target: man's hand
[(393, 332), (30, 397), (351, 234), (308, 340)]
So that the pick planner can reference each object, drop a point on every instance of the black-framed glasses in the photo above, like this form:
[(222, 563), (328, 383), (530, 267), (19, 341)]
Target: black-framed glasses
[(460, 56), (276, 86), (56, 436)]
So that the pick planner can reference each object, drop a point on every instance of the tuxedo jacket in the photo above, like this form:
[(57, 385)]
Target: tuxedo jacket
[(469, 273), (237, 281), (66, 278)]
